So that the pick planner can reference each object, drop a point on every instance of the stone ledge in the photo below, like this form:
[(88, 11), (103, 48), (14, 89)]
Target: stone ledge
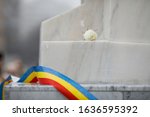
[(90, 87), (101, 91)]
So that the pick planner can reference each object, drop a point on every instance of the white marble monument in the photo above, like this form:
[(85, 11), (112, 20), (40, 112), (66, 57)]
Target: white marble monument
[(121, 54)]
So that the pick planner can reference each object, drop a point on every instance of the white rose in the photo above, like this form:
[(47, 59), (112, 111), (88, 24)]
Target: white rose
[(90, 35)]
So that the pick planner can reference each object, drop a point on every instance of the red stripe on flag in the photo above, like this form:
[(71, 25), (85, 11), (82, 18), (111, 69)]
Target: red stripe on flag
[(34, 80), (59, 87)]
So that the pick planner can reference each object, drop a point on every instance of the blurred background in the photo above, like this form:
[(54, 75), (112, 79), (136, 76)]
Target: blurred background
[(20, 28)]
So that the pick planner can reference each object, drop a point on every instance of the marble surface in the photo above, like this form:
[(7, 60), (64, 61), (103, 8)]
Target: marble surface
[(130, 21), (101, 91), (101, 61), (73, 24), (115, 20), (77, 60)]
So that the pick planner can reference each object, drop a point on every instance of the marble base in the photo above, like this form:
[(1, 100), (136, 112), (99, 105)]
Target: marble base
[(101, 91), (100, 61)]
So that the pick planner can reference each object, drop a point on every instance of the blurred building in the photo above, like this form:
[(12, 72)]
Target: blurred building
[(20, 25), (2, 38)]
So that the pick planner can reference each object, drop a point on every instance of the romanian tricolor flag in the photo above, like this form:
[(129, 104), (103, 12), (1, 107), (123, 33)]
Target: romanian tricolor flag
[(65, 85), (2, 85)]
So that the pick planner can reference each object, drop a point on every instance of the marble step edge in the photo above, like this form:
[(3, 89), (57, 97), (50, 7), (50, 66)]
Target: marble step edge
[(98, 41), (90, 87)]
